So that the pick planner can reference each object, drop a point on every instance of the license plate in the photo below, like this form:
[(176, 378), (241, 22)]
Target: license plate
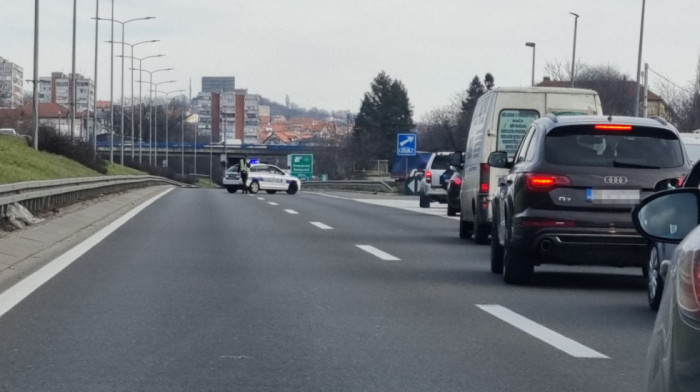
[(613, 196)]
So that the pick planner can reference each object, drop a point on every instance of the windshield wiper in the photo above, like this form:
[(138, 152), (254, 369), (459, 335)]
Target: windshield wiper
[(617, 163)]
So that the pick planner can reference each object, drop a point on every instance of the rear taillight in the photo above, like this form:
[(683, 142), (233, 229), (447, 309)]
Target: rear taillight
[(457, 181), (484, 178), (688, 285), (613, 127), (428, 176), (545, 182)]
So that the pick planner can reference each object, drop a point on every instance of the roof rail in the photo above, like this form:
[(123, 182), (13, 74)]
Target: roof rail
[(660, 119), (552, 117)]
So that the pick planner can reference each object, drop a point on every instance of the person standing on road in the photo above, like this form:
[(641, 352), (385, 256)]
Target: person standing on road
[(243, 168)]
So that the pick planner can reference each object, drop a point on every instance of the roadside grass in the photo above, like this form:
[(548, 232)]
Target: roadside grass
[(206, 183), (114, 169), (19, 162)]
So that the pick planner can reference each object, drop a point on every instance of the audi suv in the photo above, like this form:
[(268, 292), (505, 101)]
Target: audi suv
[(571, 185)]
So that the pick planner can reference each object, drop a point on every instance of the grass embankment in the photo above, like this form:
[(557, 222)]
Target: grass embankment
[(19, 162)]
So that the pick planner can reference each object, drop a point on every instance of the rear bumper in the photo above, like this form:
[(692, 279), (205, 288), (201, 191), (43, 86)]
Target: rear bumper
[(620, 248)]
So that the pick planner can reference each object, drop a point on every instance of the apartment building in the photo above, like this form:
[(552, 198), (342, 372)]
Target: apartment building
[(218, 84), (226, 113), (251, 120), (11, 84), (58, 89)]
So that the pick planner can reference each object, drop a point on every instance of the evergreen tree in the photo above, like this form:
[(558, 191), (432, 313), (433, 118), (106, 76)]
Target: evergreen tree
[(385, 112), (476, 89)]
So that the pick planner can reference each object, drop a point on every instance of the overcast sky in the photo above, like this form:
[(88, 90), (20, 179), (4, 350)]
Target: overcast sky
[(325, 53)]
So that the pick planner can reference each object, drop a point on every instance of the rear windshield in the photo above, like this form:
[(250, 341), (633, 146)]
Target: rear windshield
[(642, 147), (441, 162)]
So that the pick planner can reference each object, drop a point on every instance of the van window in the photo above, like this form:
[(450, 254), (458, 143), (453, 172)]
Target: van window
[(512, 126)]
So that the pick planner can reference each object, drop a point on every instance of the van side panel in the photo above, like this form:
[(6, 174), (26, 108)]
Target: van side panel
[(478, 130)]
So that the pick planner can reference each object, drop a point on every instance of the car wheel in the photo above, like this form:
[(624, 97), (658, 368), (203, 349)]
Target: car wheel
[(655, 284), (481, 233), (293, 188), (271, 192), (517, 268), (231, 189), (496, 253), (424, 201), (465, 229), (254, 187), (451, 211)]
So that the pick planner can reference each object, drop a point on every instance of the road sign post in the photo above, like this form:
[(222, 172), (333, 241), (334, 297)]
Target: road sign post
[(406, 146), (302, 166)]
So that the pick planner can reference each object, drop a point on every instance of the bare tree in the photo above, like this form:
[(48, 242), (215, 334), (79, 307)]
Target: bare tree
[(561, 70)]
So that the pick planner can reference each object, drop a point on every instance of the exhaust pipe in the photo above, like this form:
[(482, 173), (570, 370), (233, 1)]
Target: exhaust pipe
[(546, 246)]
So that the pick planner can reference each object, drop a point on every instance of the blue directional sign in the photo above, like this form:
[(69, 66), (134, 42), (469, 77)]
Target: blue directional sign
[(406, 144)]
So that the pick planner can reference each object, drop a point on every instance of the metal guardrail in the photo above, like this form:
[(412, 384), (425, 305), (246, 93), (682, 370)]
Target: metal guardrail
[(355, 185), (39, 196)]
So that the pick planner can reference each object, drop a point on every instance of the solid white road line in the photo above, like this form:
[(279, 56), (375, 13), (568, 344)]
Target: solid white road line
[(272, 203), (15, 294), (291, 212), (541, 332), (376, 252), (321, 226)]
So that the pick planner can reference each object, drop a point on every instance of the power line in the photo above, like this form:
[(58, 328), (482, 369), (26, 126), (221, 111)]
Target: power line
[(669, 80)]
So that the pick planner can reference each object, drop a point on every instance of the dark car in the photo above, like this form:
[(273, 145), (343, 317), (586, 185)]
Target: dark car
[(571, 185), (673, 359), (453, 182)]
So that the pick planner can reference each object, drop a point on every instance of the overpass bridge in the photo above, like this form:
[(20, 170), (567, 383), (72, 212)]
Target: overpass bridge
[(200, 158)]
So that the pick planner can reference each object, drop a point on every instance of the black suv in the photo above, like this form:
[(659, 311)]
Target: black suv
[(570, 189)]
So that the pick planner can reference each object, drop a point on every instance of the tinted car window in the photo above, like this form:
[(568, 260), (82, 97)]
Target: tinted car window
[(441, 162), (642, 147)]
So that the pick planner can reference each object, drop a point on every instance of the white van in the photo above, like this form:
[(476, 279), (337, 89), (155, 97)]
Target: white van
[(501, 117)]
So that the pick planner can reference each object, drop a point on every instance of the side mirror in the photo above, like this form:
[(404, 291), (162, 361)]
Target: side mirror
[(668, 216), (457, 159), (499, 159)]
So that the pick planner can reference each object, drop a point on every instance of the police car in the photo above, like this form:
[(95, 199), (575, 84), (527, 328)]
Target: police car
[(261, 176)]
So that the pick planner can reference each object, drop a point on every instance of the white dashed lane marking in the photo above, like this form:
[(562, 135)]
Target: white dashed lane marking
[(378, 253), (554, 339), (321, 226), (272, 203), (292, 212)]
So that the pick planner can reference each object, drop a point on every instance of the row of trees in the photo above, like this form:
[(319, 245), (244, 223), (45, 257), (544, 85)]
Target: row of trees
[(386, 110)]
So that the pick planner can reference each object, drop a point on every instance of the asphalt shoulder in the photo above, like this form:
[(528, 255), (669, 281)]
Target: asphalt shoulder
[(26, 250)]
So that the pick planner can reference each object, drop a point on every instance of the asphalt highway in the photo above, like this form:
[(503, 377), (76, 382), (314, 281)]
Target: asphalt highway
[(202, 290)]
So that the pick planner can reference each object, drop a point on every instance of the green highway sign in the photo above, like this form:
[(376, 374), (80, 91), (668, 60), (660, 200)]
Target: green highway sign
[(302, 165)]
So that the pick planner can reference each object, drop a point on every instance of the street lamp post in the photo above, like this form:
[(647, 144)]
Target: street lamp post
[(132, 85), (35, 91), (532, 45), (123, 23), (72, 77), (573, 57), (140, 81), (94, 102), (156, 122), (151, 144), (167, 110), (639, 62)]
